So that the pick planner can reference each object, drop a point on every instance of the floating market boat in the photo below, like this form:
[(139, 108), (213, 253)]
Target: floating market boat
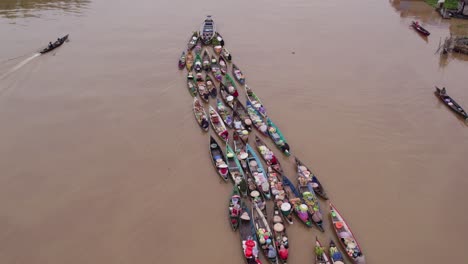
[(189, 61), (224, 113), (222, 65), (346, 236), (217, 157), (236, 171), (320, 255), (268, 155), (227, 98), (241, 112), (226, 54), (280, 196), (248, 238), (206, 61), (239, 148), (277, 137), (231, 86), (191, 86), (235, 208), (211, 87), (198, 63), (257, 119), (280, 236), (264, 235), (192, 41), (448, 101), (202, 90), (310, 199), (54, 45), (207, 30), (238, 75), (239, 127), (200, 114), (257, 172), (198, 47), (218, 124), (254, 193), (215, 69), (255, 101), (303, 171), (299, 207), (182, 61), (335, 254)]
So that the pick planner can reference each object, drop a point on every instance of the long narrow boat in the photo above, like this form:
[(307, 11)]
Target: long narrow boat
[(257, 172), (299, 207), (419, 28), (320, 255), (335, 254), (268, 155), (277, 137), (218, 124), (206, 61), (198, 63), (239, 127), (239, 148), (191, 86), (257, 119), (346, 236), (224, 113), (226, 54), (238, 75), (192, 41), (254, 193), (231, 85), (235, 170), (255, 101), (189, 60), (217, 157), (303, 171), (202, 90), (310, 199), (240, 110), (264, 235), (55, 45), (281, 238), (218, 40), (215, 69), (279, 194), (198, 47), (227, 98), (222, 65), (182, 61), (200, 114), (248, 238), (211, 87), (207, 30), (235, 208), (448, 101)]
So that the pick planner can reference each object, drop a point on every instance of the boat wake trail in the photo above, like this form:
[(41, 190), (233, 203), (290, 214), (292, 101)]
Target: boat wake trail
[(20, 65)]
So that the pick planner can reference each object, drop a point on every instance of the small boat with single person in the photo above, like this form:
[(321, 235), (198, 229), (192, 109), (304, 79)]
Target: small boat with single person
[(321, 256), (227, 98), (192, 41), (218, 159), (255, 101), (231, 85), (215, 69), (248, 238), (198, 63), (265, 236), (258, 172), (59, 42), (200, 114), (202, 90), (419, 28), (207, 30), (303, 171), (189, 60), (223, 111), (191, 86), (277, 137), (238, 75), (206, 61), (280, 236), (182, 61), (211, 87), (236, 171), (257, 119), (346, 237), (448, 101), (218, 124), (226, 54), (235, 208), (335, 254)]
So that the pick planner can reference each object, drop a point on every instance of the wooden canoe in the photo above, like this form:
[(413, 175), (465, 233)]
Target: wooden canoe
[(239, 127), (206, 61), (346, 236), (310, 199), (227, 98), (255, 101), (55, 45), (278, 138), (241, 152), (210, 86), (202, 90), (335, 254), (241, 112), (192, 41), (200, 114), (264, 235), (226, 54), (248, 237), (222, 65), (218, 124), (215, 69), (322, 257), (191, 86), (280, 235), (182, 61), (231, 86), (234, 208), (448, 101), (419, 28), (189, 61), (304, 171), (280, 196), (218, 159), (223, 111), (238, 75), (298, 205), (236, 171), (268, 155), (207, 30), (257, 119), (258, 172), (198, 63)]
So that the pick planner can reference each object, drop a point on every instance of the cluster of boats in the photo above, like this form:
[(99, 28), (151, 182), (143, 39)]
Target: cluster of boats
[(207, 62)]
